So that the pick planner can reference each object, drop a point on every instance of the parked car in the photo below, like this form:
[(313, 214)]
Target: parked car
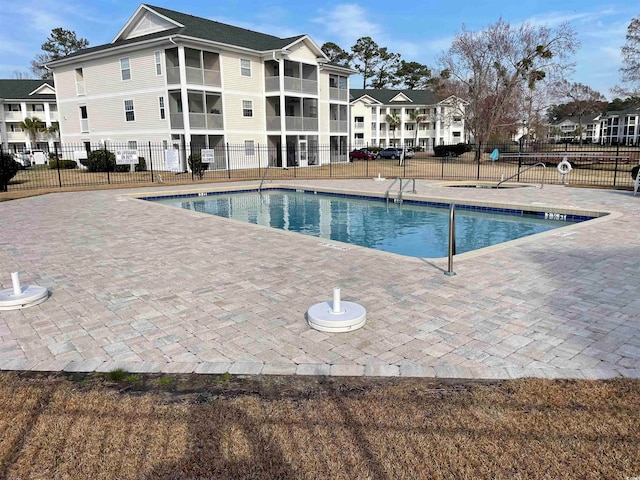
[(395, 153), (361, 154), (23, 159)]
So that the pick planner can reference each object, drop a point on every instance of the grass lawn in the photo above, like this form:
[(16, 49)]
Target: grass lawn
[(223, 427)]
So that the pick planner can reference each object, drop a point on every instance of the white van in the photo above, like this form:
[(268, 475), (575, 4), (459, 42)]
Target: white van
[(33, 157)]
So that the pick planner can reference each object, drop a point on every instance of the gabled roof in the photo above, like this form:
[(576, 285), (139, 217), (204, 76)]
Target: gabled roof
[(573, 119), (633, 110), (397, 97), (170, 23), (11, 89)]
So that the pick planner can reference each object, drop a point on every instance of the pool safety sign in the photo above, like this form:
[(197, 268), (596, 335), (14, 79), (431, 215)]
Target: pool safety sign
[(127, 157), (208, 155)]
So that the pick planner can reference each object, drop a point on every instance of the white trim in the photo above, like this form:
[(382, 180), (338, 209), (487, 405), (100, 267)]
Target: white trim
[(135, 17), (242, 68), (44, 84), (122, 70)]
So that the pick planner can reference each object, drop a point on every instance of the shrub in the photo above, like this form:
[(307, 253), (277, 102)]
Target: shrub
[(100, 161), (196, 165), (142, 165), (451, 150), (63, 164), (8, 169)]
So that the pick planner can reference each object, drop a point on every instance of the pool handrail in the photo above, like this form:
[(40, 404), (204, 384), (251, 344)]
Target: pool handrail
[(522, 171), (392, 184), (263, 177), (405, 186)]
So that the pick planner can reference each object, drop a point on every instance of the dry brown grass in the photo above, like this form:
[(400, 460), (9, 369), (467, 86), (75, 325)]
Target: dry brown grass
[(293, 427), (42, 180)]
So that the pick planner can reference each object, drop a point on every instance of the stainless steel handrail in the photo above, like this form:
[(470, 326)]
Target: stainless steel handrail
[(522, 171), (405, 186), (264, 175), (392, 184)]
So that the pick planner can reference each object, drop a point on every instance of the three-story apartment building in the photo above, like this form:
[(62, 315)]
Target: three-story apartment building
[(22, 99), (191, 83), (410, 118), (621, 127)]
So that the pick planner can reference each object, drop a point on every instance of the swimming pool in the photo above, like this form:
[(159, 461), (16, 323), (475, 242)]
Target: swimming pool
[(416, 229)]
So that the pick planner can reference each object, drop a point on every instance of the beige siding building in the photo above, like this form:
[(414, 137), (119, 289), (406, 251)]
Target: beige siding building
[(189, 84)]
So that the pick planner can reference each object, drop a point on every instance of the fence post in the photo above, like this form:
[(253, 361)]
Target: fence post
[(519, 167), (106, 160), (615, 172), (479, 153), (151, 161), (55, 150), (193, 160), (228, 163), (258, 151), (330, 163)]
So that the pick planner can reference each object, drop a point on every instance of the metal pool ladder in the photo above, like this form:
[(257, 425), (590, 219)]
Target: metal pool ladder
[(401, 189)]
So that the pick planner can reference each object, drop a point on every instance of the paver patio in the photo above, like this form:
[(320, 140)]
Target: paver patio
[(149, 288)]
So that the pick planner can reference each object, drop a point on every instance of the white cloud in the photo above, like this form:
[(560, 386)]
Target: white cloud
[(346, 23)]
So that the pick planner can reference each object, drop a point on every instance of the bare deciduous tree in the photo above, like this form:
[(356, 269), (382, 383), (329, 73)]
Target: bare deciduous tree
[(631, 58), (582, 99), (487, 69)]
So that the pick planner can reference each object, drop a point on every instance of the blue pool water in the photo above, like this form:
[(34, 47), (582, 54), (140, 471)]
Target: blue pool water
[(417, 230)]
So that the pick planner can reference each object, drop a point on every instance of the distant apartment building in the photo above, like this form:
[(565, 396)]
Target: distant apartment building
[(572, 129), (187, 82), (620, 127), (410, 118), (22, 99)]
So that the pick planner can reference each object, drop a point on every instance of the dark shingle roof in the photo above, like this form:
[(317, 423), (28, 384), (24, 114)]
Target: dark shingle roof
[(419, 97), (228, 34), (202, 28), (20, 89)]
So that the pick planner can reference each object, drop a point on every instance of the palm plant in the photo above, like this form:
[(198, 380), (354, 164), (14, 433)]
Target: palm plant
[(418, 118), (394, 122), (33, 126)]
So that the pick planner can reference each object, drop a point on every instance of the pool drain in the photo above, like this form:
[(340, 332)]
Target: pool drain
[(336, 316), (21, 297)]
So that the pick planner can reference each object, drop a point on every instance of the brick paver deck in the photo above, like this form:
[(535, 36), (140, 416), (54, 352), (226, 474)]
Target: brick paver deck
[(149, 288)]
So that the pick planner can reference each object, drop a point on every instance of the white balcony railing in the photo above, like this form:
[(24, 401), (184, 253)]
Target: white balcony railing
[(358, 125), (340, 94), (300, 85), (84, 125), (13, 116), (206, 121), (341, 126), (173, 75), (293, 123), (200, 76), (272, 84), (80, 88)]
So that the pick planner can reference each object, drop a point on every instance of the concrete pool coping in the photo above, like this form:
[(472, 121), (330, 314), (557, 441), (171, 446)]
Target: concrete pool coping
[(157, 290), (597, 216)]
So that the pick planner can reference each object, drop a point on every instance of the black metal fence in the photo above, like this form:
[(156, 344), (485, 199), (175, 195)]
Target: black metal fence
[(72, 165)]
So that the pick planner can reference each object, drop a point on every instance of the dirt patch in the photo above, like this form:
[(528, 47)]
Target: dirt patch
[(221, 426)]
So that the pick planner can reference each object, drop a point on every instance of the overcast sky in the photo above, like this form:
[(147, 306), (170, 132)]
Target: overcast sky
[(418, 30)]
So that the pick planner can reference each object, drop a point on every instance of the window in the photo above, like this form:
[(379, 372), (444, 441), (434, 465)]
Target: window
[(359, 136), (245, 67), (247, 108), (158, 63), (161, 104), (132, 145), (456, 134), (13, 107), (129, 114), (249, 148), (84, 119), (125, 68)]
